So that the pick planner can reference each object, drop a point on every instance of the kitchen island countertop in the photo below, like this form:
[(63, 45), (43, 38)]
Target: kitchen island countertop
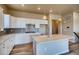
[(53, 37)]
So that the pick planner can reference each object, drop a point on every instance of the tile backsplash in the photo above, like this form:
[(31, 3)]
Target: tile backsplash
[(14, 30)]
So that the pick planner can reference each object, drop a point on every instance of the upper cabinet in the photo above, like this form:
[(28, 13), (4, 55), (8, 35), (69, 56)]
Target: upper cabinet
[(20, 23), (13, 22), (1, 17), (16, 22), (39, 22), (6, 23)]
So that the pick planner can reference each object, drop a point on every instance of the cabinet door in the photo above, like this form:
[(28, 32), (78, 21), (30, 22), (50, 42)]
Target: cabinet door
[(23, 24), (20, 23), (13, 22), (2, 49), (12, 39), (22, 39), (6, 21), (7, 47)]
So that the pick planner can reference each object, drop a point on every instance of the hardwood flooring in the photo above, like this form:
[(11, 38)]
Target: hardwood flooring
[(27, 49), (74, 49), (24, 49)]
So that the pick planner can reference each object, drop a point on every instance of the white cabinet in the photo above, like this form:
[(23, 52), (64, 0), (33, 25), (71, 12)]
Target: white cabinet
[(22, 39), (1, 18), (20, 23), (17, 22), (39, 22), (7, 45), (2, 49), (6, 21), (37, 25), (13, 22)]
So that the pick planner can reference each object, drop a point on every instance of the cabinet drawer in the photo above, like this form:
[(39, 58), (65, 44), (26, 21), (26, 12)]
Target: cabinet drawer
[(2, 49)]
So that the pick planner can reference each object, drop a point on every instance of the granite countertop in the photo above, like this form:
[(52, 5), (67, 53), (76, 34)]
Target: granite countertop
[(52, 37)]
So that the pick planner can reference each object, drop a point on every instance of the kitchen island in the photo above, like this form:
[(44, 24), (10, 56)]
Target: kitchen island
[(53, 45)]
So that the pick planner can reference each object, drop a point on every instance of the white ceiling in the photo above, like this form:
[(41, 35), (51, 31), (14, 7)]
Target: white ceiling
[(44, 8)]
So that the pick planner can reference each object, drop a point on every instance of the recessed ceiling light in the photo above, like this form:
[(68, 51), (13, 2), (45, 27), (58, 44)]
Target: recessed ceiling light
[(44, 17), (50, 10), (60, 19), (38, 8)]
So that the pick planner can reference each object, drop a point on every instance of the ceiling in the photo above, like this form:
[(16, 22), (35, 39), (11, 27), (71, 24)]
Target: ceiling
[(44, 8)]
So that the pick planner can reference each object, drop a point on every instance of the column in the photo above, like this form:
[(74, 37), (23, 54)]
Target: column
[(50, 25)]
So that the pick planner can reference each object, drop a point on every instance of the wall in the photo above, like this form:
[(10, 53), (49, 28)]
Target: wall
[(75, 21), (71, 20), (56, 17), (25, 14)]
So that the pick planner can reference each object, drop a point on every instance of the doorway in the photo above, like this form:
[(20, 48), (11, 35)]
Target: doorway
[(55, 26)]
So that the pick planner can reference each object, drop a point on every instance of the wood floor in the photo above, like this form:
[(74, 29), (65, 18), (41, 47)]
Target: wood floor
[(27, 49), (24, 49)]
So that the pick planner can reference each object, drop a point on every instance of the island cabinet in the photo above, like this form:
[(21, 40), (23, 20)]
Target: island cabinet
[(6, 45), (53, 45)]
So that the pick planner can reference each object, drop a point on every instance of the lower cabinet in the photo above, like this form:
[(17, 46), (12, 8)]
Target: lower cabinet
[(2, 49), (22, 39), (6, 46)]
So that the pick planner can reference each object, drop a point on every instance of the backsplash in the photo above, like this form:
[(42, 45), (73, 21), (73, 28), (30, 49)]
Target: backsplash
[(41, 30), (14, 30)]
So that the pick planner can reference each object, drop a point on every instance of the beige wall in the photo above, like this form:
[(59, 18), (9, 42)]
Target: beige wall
[(25, 14), (71, 20), (76, 21)]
